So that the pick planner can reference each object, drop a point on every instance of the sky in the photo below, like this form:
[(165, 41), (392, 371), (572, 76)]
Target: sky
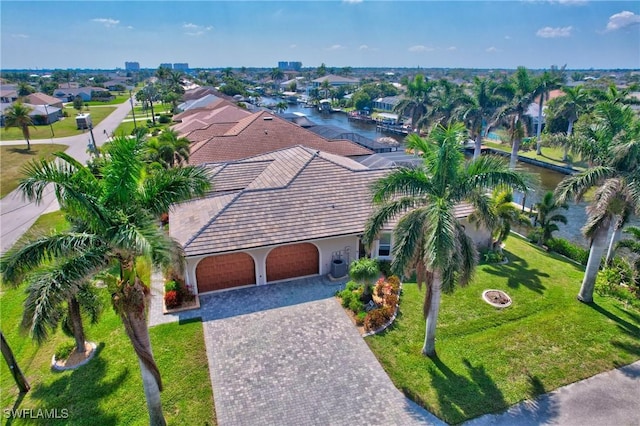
[(580, 34)]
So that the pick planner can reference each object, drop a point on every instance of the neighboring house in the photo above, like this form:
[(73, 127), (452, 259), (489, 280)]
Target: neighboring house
[(69, 94), (221, 115), (387, 103), (278, 216), (263, 132), (334, 81), (116, 85), (197, 103), (40, 114), (331, 132), (8, 95), (40, 98)]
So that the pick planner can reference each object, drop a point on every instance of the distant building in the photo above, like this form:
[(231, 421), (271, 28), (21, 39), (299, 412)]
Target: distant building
[(290, 66), (167, 65), (181, 66), (132, 66)]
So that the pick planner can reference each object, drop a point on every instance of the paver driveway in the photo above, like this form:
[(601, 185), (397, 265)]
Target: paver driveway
[(287, 354)]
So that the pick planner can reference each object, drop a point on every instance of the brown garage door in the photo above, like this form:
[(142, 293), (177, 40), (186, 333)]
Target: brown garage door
[(296, 260), (225, 271)]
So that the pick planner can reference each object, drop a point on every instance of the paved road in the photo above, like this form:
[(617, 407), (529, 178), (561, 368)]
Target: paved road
[(16, 214)]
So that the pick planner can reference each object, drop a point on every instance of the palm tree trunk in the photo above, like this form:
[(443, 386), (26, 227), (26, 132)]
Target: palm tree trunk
[(7, 353), (612, 244), (429, 348), (565, 157), (514, 153), (133, 313), (478, 146), (539, 127), (153, 116), (593, 265), (76, 324)]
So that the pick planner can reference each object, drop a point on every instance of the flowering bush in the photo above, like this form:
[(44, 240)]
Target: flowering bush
[(171, 299)]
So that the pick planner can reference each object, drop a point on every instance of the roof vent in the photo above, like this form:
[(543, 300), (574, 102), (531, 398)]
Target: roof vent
[(267, 118)]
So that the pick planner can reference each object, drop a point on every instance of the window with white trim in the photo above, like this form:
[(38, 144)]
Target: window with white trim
[(384, 245)]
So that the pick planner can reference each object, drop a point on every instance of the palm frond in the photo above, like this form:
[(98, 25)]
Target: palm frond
[(574, 187), (403, 182), (383, 215)]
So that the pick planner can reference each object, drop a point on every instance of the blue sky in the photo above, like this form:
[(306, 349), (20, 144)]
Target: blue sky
[(470, 34)]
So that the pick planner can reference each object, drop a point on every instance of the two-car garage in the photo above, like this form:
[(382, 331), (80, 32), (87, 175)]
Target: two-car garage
[(224, 271)]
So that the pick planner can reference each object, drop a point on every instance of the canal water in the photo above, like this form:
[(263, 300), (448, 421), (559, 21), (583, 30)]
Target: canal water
[(548, 180)]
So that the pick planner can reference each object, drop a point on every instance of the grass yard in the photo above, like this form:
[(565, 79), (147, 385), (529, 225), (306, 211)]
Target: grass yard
[(13, 157), (119, 98), (108, 390), (62, 128), (550, 154), (489, 359)]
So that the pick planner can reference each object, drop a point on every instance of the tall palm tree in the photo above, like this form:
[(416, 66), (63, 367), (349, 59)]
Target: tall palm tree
[(478, 109), (428, 237), (618, 187), (416, 102), (17, 115), (547, 216), (570, 106), (548, 81), (446, 99), (116, 211), (277, 74), (149, 94), (518, 90), (168, 149)]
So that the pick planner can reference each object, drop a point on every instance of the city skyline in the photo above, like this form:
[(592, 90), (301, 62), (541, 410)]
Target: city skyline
[(429, 34)]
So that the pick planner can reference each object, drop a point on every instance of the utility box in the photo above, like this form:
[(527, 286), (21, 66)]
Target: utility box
[(83, 121)]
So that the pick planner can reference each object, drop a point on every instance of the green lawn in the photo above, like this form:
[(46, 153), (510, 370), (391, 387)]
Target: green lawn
[(550, 154), (108, 390), (489, 359), (61, 128), (119, 98), (12, 158)]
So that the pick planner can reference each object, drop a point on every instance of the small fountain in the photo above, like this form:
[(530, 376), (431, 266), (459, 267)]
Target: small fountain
[(496, 298)]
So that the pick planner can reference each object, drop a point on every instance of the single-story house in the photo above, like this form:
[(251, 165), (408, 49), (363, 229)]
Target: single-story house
[(263, 132), (335, 81), (40, 114), (40, 98), (8, 95), (197, 103), (387, 103), (278, 216), (69, 94)]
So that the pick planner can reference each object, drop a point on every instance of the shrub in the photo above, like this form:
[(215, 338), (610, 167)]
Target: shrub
[(355, 305), (64, 350), (346, 296), (391, 300), (376, 318), (164, 119), (171, 299), (568, 249), (493, 257), (360, 318), (394, 282), (384, 266), (170, 286), (352, 285), (379, 289)]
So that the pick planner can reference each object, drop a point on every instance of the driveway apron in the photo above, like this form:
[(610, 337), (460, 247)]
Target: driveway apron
[(287, 354)]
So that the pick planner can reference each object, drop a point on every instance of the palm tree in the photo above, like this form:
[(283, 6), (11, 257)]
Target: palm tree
[(548, 81), (17, 115), (617, 181), (364, 271), (478, 109), (168, 149), (116, 212), (546, 217), (570, 106), (281, 106), (326, 88), (276, 74), (505, 213), (518, 91), (428, 237), (417, 102), (446, 99), (149, 94)]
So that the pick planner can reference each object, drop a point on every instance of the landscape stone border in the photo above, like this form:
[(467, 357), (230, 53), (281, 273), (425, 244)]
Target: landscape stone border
[(57, 367)]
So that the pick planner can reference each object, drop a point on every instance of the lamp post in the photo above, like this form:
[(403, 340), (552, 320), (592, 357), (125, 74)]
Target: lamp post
[(132, 110)]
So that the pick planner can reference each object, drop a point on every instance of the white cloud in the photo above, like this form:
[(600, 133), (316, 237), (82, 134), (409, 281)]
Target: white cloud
[(507, 37), (491, 49), (570, 2), (108, 22), (335, 47), (195, 30), (352, 1), (548, 32), (363, 47), (452, 48), (19, 36), (129, 27), (421, 48), (293, 46), (622, 20)]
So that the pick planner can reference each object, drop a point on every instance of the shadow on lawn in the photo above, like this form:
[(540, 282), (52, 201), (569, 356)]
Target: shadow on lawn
[(628, 328), (79, 391), (517, 273), (461, 397), (32, 152)]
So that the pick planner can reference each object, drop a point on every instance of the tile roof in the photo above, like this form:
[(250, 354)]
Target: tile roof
[(331, 78), (264, 132), (288, 195), (39, 98)]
